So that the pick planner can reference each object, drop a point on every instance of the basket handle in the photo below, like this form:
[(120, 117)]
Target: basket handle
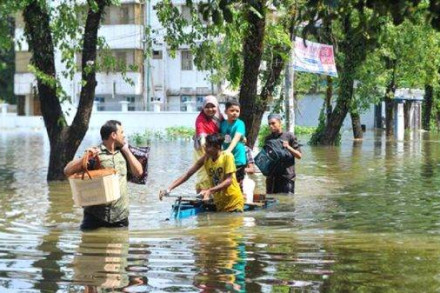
[(85, 160)]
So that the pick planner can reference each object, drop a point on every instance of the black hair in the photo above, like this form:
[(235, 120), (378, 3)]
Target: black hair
[(215, 140), (109, 127), (229, 104)]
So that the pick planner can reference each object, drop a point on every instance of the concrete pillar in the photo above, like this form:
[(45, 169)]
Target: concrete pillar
[(95, 106), (399, 120), (124, 105), (4, 108), (29, 105), (156, 106), (412, 117), (418, 115)]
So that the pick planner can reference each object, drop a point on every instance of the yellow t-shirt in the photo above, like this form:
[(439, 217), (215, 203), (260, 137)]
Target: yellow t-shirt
[(202, 181), (231, 198)]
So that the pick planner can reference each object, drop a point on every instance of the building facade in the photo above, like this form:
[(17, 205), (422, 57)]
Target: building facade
[(159, 83)]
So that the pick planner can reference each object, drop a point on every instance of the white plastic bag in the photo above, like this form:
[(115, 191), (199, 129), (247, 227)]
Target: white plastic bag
[(248, 189)]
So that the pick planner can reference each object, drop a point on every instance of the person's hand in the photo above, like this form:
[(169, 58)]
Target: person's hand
[(124, 148), (206, 194), (249, 170), (286, 144), (94, 151), (163, 193), (228, 151)]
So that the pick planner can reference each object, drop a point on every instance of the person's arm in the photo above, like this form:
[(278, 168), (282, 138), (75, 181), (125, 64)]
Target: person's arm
[(197, 165), (250, 168), (290, 146), (201, 131), (202, 140), (235, 140), (73, 167), (133, 163), (239, 133), (222, 185)]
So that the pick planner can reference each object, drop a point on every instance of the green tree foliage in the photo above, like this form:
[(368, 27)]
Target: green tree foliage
[(235, 39), (71, 27), (355, 30), (413, 49), (394, 13)]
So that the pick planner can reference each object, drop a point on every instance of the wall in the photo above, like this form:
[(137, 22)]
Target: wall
[(309, 107), (137, 121), (132, 121)]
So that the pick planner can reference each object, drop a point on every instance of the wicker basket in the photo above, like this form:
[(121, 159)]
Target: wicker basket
[(94, 187)]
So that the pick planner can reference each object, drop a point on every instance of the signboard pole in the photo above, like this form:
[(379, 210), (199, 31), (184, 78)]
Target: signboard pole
[(289, 97)]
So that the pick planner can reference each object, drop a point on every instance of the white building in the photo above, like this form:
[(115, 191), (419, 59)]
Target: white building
[(161, 83)]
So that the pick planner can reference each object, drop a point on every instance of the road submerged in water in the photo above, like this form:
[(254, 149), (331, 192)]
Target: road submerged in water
[(365, 218)]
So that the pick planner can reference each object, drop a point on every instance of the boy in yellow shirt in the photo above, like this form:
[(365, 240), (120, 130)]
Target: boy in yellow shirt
[(220, 166)]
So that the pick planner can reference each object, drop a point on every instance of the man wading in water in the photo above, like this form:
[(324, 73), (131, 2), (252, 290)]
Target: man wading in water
[(283, 182), (113, 153)]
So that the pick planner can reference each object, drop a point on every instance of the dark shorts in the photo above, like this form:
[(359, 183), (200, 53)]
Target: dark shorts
[(240, 173), (280, 185), (91, 222)]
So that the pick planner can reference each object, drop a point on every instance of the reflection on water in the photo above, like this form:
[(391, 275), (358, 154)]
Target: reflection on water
[(365, 218), (101, 259)]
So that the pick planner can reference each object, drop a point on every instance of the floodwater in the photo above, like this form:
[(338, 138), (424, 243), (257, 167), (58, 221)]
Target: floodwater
[(366, 218)]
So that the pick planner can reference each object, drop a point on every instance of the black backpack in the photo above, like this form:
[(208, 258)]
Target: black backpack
[(274, 158)]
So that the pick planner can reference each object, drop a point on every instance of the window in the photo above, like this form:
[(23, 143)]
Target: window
[(121, 60), (199, 103), (131, 106), (124, 14), (101, 106), (187, 62), (157, 54), (184, 99), (119, 14), (186, 13)]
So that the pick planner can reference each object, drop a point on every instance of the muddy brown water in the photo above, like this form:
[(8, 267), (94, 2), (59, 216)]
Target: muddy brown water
[(366, 218)]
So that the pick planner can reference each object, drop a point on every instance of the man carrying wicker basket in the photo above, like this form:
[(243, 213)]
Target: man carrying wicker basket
[(111, 158)]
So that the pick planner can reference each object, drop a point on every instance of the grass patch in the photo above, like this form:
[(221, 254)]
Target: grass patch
[(299, 130), (170, 133)]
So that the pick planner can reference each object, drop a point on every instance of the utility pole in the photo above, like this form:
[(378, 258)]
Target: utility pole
[(289, 98), (289, 82), (147, 53)]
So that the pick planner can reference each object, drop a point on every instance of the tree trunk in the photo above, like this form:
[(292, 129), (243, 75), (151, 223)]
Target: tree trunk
[(389, 110), (7, 58), (328, 98), (64, 140), (389, 104), (330, 134), (427, 107), (252, 108), (331, 131), (356, 125), (378, 116), (436, 109)]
